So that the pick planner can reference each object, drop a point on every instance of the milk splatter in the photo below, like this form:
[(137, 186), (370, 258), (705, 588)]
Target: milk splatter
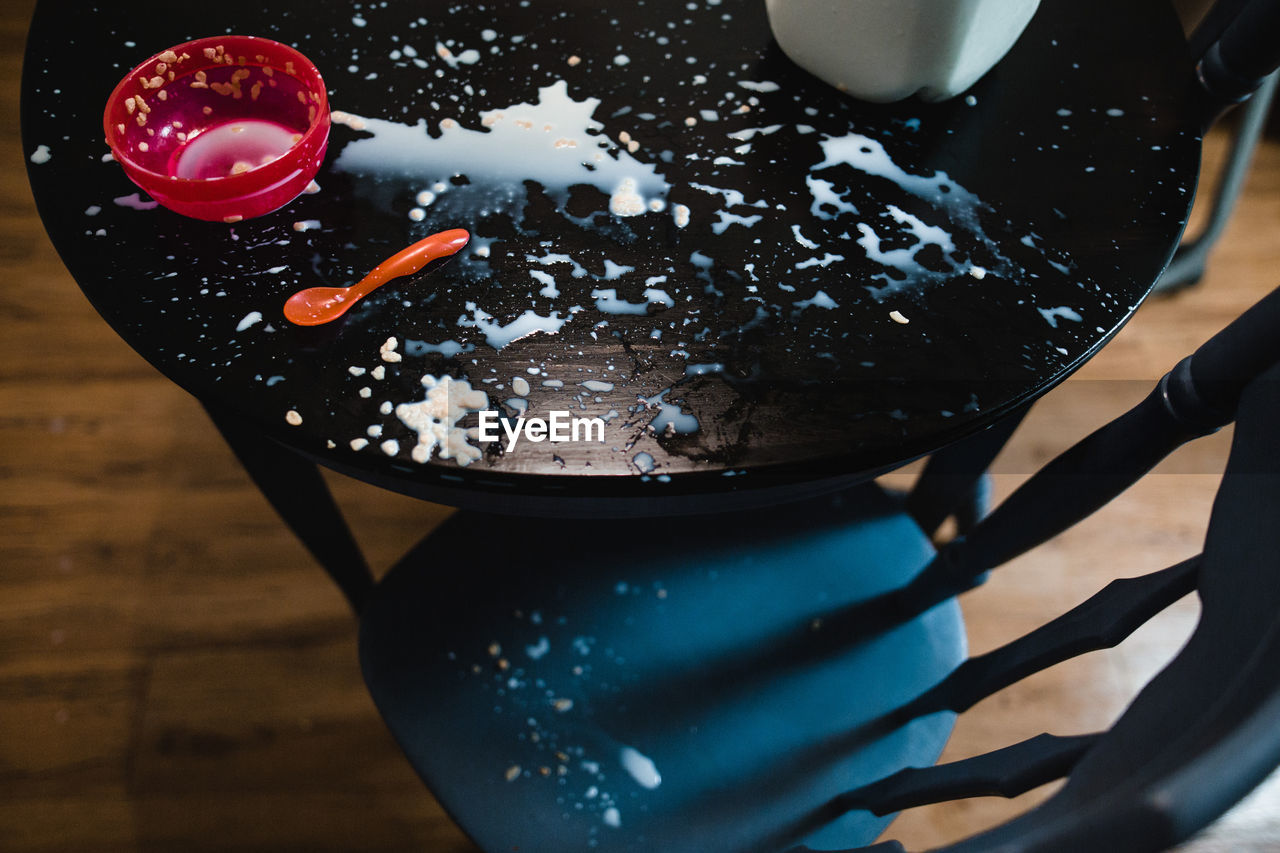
[(640, 767), (555, 142)]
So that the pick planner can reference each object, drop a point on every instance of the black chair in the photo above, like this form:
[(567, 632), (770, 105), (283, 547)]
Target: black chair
[(1250, 68), (783, 679), (747, 682)]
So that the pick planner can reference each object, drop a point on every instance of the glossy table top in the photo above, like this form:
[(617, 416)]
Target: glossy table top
[(725, 284)]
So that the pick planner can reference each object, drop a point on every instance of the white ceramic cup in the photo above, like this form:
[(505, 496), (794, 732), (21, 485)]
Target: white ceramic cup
[(887, 50)]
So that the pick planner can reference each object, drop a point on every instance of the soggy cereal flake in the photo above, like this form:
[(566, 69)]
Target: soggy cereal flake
[(388, 350), (435, 419), (352, 121)]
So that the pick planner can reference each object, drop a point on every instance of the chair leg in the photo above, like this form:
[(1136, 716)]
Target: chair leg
[(1189, 261), (294, 487)]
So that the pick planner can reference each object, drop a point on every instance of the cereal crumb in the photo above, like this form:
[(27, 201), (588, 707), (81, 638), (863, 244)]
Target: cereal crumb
[(352, 121), (513, 773), (574, 60), (359, 443), (898, 317), (293, 417), (978, 272)]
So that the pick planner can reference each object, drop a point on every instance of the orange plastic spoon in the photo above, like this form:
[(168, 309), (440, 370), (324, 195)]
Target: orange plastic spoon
[(317, 305)]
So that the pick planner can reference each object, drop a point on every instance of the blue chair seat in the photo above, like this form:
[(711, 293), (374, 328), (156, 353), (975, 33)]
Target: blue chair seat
[(658, 684)]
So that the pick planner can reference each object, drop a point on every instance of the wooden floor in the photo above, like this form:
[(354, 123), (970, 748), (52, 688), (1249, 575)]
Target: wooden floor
[(175, 673)]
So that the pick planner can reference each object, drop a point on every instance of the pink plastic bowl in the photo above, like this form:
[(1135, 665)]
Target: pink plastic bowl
[(221, 128)]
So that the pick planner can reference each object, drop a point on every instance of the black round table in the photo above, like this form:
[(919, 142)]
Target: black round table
[(756, 283)]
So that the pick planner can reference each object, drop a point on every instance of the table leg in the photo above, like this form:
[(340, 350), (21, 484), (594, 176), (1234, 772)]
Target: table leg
[(953, 482), (297, 491)]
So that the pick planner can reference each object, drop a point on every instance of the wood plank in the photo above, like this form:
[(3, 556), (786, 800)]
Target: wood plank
[(275, 746)]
